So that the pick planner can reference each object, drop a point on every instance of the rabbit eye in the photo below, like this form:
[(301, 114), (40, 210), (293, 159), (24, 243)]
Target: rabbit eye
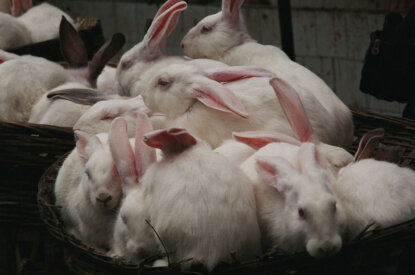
[(206, 29), (163, 83), (301, 213)]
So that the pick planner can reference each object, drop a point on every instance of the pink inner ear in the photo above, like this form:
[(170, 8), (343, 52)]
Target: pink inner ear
[(122, 152), (293, 109), (161, 27), (216, 96), (170, 141), (19, 7), (258, 139), (166, 6), (229, 74), (86, 144)]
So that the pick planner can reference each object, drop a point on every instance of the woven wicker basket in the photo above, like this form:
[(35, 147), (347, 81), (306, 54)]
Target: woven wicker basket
[(386, 251)]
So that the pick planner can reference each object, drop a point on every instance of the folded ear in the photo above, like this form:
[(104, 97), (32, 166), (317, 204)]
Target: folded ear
[(122, 153), (275, 172), (233, 73), (170, 141), (72, 46), (80, 96), (230, 10), (103, 55), (368, 143), (144, 155), (293, 109), (258, 139), (216, 96), (86, 144)]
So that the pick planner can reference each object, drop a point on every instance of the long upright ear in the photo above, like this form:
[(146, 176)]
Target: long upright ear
[(103, 55), (144, 155), (72, 46), (258, 139), (233, 73), (230, 10), (309, 159), (274, 172), (160, 29), (293, 109), (4, 56), (216, 96), (171, 141), (122, 153), (168, 4), (86, 144), (18, 7), (368, 143), (80, 96)]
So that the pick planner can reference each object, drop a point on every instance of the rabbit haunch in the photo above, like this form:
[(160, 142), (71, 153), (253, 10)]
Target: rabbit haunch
[(192, 98), (29, 24), (223, 37)]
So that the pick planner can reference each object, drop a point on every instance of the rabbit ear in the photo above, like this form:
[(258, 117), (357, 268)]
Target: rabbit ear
[(258, 139), (4, 56), (170, 141), (160, 29), (18, 7), (274, 171), (230, 10), (80, 96), (293, 109), (309, 159), (72, 46), (122, 153), (103, 55), (368, 143), (233, 73), (168, 4), (144, 155), (216, 96), (86, 144)]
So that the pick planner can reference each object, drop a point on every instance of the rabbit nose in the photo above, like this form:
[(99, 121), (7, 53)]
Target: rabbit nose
[(328, 248), (103, 198)]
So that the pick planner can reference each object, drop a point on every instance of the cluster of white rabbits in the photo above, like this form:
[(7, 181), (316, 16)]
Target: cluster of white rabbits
[(210, 158)]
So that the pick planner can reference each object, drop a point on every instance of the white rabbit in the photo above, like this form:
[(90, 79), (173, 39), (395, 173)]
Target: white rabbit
[(150, 53), (223, 37), (374, 191), (297, 209), (201, 205), (194, 99), (43, 21), (66, 113), (133, 239), (88, 188), (106, 80), (29, 24), (235, 151)]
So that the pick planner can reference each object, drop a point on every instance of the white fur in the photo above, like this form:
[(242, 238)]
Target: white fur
[(235, 151), (58, 112), (258, 97), (13, 33), (202, 206), (106, 80), (375, 191), (278, 208), (43, 21), (229, 42), (24, 80), (76, 193)]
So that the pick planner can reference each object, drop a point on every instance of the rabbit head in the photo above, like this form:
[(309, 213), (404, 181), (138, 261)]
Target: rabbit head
[(175, 89), (151, 49), (314, 217), (214, 35), (100, 180)]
